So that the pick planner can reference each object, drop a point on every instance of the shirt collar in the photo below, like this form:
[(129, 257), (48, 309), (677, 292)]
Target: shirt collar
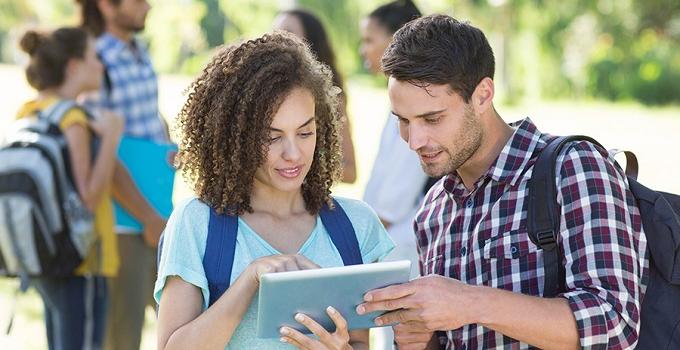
[(110, 46), (509, 166), (513, 159)]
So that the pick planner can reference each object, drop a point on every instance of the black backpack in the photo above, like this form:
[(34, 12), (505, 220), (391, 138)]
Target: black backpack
[(660, 214)]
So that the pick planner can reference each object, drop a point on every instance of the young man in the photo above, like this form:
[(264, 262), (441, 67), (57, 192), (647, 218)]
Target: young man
[(130, 89), (484, 276)]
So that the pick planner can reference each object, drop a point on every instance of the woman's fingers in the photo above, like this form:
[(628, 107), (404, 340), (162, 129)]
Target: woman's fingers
[(340, 322), (297, 339), (304, 263)]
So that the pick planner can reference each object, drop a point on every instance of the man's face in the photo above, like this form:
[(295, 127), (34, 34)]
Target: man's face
[(437, 124), (130, 15)]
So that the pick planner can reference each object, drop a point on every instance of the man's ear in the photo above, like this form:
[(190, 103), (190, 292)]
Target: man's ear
[(482, 97)]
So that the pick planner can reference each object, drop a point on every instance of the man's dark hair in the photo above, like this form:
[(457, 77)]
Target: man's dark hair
[(438, 50), (92, 18), (395, 14)]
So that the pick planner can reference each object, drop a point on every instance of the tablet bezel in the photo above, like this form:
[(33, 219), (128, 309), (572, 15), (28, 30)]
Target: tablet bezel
[(282, 295)]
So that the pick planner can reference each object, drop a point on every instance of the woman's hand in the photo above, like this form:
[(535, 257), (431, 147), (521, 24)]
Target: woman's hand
[(108, 123), (338, 340), (278, 263)]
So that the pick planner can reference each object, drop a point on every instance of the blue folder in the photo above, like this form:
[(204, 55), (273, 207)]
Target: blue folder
[(149, 165)]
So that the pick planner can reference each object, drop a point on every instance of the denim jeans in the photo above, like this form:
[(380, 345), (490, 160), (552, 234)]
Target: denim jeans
[(75, 311)]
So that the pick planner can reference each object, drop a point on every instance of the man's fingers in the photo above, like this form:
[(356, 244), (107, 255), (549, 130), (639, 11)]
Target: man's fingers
[(390, 292), (408, 337), (412, 346), (399, 316), (411, 327), (385, 305)]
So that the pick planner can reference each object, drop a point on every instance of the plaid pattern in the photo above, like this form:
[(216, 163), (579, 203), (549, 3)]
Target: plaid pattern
[(134, 88), (479, 237)]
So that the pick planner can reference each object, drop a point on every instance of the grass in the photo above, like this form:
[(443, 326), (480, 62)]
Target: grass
[(650, 132)]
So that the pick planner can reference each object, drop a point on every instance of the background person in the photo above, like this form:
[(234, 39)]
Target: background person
[(64, 64), (308, 27)]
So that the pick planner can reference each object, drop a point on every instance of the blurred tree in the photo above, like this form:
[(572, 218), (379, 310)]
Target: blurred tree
[(213, 23), (12, 14), (612, 49), (174, 33)]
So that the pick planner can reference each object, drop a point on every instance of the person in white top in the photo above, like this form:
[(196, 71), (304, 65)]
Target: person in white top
[(397, 183)]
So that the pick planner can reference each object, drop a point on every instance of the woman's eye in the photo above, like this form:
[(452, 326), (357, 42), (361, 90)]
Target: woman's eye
[(306, 134), (274, 139), (434, 120)]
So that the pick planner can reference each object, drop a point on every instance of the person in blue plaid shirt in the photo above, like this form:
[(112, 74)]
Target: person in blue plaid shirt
[(130, 89), (483, 276)]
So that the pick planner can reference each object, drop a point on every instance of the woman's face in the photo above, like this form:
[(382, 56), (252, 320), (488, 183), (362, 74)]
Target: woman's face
[(292, 142), (88, 70), (374, 40), (289, 23)]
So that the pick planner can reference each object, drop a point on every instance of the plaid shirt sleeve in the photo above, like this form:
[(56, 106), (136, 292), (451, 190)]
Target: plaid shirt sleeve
[(601, 238)]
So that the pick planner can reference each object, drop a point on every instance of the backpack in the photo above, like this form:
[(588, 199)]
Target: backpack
[(45, 229), (660, 214), (221, 245)]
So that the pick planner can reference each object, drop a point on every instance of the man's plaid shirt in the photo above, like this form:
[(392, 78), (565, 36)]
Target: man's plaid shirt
[(132, 90), (480, 237)]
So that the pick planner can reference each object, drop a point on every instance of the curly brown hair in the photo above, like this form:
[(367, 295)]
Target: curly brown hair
[(224, 124)]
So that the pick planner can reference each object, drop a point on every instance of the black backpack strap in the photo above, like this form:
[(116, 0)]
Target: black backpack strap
[(220, 248), (342, 233), (543, 213)]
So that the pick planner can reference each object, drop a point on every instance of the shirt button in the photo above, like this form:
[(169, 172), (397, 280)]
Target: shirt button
[(463, 251), (469, 203), (513, 251)]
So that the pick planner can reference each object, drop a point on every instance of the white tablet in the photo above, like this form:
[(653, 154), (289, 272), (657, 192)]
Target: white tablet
[(284, 294)]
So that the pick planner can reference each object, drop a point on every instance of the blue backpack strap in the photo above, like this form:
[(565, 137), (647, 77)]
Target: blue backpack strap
[(219, 253), (220, 248), (342, 233)]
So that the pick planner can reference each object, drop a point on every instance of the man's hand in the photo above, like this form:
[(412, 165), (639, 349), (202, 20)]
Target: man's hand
[(409, 340), (423, 305), (153, 227)]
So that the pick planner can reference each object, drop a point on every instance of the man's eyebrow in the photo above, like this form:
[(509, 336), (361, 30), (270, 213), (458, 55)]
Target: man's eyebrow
[(422, 115)]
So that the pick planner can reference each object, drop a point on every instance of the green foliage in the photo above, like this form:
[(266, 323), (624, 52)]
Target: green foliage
[(213, 23), (611, 49), (174, 33), (649, 72)]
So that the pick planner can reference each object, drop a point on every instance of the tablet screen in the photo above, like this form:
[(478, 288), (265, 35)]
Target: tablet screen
[(284, 294)]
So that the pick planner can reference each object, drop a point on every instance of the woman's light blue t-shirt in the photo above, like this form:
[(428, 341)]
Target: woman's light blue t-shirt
[(184, 246)]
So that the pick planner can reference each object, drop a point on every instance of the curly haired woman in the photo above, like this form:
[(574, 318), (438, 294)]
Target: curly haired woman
[(260, 140)]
